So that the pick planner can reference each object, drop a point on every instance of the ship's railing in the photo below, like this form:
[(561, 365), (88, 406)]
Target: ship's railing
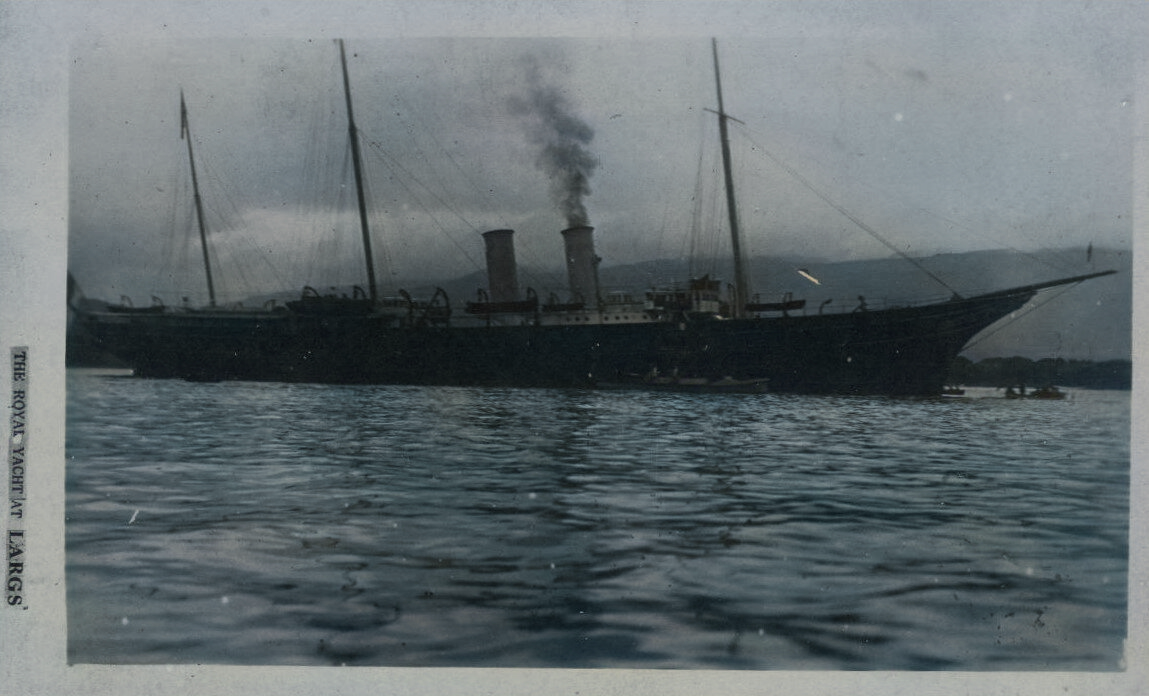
[(860, 303), (814, 305)]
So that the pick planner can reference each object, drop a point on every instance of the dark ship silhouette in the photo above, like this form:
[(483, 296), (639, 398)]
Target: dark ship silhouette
[(698, 337)]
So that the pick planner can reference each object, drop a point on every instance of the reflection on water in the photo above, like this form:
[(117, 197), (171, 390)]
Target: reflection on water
[(301, 524)]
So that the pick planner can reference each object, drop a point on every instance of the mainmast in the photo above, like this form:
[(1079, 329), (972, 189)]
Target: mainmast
[(741, 285), (353, 134), (185, 134)]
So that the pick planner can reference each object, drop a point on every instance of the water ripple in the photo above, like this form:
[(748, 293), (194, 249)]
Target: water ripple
[(300, 524)]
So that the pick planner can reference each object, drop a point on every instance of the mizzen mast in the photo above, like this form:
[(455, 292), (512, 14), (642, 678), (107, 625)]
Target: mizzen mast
[(185, 134), (353, 134), (741, 284)]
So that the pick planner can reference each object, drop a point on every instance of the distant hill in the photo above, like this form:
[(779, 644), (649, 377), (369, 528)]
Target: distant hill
[(1018, 371)]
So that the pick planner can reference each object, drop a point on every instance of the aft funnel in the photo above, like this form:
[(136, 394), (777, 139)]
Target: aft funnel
[(582, 264)]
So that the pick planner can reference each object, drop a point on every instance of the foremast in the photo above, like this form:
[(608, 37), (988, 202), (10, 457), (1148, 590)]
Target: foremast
[(356, 163), (741, 283), (185, 134)]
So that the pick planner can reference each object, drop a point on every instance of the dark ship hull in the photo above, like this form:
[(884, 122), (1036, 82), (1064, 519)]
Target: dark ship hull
[(900, 351)]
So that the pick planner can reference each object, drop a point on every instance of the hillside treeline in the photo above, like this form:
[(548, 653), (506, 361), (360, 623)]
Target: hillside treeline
[(1005, 372)]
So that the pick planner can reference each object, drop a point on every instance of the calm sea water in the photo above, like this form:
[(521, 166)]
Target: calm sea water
[(299, 524)]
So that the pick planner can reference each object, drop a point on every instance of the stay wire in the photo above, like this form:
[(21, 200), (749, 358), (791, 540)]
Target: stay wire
[(849, 216)]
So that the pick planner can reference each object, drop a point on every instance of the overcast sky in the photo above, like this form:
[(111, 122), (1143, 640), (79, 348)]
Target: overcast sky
[(944, 126)]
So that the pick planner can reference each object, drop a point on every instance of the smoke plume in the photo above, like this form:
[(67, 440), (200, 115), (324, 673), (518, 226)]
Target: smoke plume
[(563, 139)]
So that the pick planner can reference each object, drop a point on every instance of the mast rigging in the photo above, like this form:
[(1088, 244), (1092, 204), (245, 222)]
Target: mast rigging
[(353, 135), (185, 134)]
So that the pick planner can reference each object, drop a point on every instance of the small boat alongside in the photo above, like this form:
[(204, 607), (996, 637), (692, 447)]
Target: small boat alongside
[(690, 385), (1050, 393)]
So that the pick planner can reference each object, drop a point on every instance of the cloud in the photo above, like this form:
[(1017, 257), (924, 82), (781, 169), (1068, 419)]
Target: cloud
[(964, 168)]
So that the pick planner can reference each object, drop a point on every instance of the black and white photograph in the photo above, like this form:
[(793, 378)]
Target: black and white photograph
[(663, 347)]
